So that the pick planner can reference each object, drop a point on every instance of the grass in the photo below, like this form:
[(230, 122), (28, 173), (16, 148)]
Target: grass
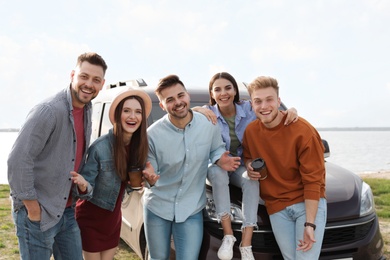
[(9, 243), (381, 190), (8, 240)]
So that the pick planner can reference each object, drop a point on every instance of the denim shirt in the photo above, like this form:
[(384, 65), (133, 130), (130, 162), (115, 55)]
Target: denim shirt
[(99, 171), (181, 158), (244, 115), (43, 156)]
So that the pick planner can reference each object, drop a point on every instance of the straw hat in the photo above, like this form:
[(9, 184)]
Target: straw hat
[(126, 93)]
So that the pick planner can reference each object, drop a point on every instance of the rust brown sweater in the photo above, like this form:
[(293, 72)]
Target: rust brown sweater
[(294, 156)]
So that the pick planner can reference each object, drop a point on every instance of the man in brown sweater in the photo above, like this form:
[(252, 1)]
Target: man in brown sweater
[(294, 187)]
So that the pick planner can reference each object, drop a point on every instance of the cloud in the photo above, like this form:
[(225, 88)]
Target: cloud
[(31, 70), (331, 57)]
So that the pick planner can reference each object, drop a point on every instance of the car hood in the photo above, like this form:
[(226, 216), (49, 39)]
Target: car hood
[(343, 190)]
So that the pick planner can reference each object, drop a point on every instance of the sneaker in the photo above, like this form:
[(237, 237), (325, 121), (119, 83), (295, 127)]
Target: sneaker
[(225, 252), (246, 253)]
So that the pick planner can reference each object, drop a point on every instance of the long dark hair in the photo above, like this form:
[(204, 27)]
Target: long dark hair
[(227, 76), (137, 151)]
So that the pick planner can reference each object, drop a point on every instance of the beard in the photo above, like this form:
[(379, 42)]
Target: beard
[(82, 97), (269, 119), (181, 114)]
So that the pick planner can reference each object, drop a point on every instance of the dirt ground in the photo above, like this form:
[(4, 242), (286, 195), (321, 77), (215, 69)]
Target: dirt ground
[(385, 231), (380, 175)]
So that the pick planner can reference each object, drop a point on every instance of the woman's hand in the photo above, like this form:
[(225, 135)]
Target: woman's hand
[(78, 179), (292, 116), (228, 163), (209, 114)]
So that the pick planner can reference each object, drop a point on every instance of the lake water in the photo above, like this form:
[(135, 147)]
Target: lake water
[(358, 151)]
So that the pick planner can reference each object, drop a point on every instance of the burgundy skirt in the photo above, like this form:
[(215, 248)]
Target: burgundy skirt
[(100, 228)]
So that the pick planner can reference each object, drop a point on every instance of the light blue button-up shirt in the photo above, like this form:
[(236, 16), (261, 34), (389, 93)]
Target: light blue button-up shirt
[(244, 115), (181, 158)]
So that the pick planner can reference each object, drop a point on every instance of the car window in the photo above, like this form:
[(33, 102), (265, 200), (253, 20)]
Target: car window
[(96, 115), (106, 123), (100, 120)]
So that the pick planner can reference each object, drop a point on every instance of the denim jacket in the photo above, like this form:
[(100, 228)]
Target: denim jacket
[(99, 171), (244, 115)]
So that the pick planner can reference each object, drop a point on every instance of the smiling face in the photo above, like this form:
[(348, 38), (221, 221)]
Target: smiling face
[(265, 103), (176, 101), (223, 93), (86, 82), (131, 117)]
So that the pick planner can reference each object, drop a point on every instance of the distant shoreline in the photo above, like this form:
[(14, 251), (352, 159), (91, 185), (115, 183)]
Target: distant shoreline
[(318, 129), (9, 130), (353, 128)]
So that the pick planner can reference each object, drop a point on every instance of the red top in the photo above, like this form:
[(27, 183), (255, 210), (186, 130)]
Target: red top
[(78, 117)]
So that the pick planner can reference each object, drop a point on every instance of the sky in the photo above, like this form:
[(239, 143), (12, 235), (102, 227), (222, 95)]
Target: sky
[(331, 58)]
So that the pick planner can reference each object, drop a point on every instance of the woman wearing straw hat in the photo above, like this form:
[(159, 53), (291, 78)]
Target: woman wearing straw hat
[(98, 213)]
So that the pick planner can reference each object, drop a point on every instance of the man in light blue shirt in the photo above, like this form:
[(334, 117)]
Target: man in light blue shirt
[(180, 147)]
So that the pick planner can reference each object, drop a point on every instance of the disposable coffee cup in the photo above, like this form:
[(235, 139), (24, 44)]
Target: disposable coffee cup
[(135, 177), (258, 165)]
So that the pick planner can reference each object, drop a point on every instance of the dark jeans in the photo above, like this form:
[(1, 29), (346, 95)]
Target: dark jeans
[(63, 240)]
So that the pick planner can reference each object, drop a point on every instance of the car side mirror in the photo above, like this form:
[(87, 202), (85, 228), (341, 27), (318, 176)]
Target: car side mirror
[(327, 149)]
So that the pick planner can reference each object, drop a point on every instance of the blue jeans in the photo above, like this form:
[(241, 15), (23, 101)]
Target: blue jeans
[(288, 227), (187, 236), (63, 240), (250, 193)]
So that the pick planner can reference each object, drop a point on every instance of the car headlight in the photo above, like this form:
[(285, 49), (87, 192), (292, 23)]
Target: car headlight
[(235, 210), (367, 205)]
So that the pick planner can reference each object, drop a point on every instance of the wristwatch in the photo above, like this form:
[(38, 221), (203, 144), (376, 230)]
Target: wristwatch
[(310, 225)]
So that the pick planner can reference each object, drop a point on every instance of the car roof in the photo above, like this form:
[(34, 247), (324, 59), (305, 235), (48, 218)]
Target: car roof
[(198, 93)]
